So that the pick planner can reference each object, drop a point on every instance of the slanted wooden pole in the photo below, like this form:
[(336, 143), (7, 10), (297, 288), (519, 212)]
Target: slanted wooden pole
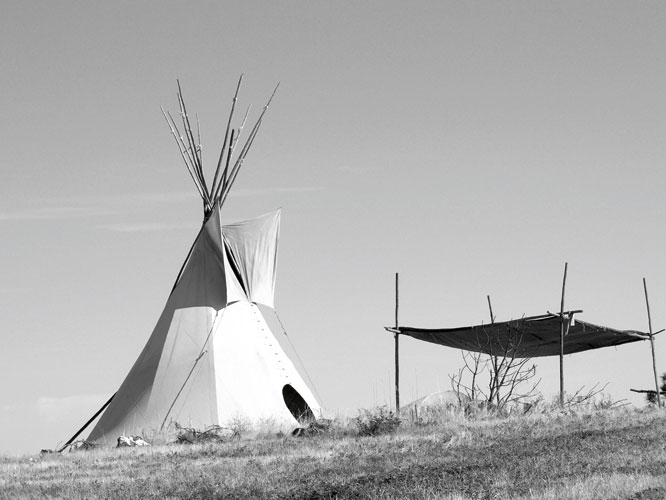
[(83, 428), (654, 359), (214, 187), (564, 284), (397, 359)]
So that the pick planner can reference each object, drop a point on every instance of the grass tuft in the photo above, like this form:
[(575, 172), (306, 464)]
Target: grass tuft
[(376, 422)]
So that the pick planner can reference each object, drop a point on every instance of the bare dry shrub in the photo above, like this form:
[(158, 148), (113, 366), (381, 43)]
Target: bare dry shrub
[(497, 381), (188, 435)]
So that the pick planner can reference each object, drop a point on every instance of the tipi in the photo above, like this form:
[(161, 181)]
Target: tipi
[(212, 356)]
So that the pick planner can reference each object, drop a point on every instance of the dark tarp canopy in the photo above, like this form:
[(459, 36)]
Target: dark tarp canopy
[(526, 337)]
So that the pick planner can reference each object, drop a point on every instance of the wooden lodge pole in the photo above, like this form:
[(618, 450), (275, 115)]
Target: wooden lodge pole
[(83, 428), (564, 284), (397, 361), (654, 359)]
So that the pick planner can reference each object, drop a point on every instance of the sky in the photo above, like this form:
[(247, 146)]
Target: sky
[(471, 147)]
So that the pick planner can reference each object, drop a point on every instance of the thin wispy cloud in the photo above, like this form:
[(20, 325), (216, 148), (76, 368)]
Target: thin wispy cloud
[(125, 199), (163, 197), (50, 408), (356, 169), (91, 206), (247, 192), (179, 196), (54, 213), (143, 227), (54, 409), (121, 204)]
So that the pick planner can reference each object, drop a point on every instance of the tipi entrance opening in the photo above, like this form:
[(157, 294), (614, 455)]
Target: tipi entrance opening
[(297, 405)]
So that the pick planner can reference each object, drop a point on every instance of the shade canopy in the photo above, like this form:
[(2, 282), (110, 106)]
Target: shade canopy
[(530, 337)]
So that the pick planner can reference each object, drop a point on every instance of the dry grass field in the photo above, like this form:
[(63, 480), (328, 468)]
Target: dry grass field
[(587, 454)]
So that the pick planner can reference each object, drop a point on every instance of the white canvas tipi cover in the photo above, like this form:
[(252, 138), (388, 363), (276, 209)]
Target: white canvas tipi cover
[(212, 357)]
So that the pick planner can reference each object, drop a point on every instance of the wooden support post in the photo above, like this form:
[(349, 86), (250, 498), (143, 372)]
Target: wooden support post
[(654, 359), (494, 358), (397, 360), (564, 284)]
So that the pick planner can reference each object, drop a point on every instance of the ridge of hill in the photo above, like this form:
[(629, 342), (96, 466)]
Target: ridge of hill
[(619, 453)]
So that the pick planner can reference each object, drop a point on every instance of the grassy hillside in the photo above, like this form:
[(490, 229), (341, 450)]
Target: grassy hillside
[(606, 454)]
